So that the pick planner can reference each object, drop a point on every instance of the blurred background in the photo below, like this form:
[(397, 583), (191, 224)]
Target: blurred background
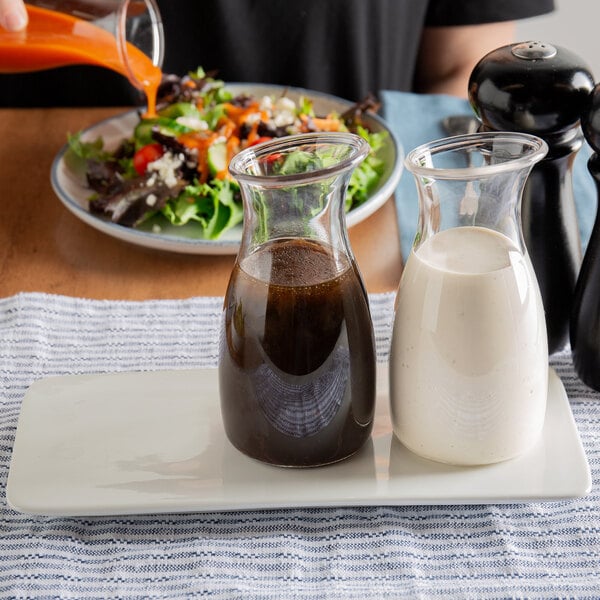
[(574, 25)]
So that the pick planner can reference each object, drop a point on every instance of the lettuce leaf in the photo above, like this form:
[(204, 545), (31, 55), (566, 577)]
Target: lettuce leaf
[(215, 205)]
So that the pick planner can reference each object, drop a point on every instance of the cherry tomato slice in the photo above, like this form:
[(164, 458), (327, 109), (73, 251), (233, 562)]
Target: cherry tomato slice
[(260, 140), (145, 155), (273, 157)]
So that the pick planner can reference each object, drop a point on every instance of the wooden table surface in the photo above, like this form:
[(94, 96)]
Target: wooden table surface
[(44, 248)]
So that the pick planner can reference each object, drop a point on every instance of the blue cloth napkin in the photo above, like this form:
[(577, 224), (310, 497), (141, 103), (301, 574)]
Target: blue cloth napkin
[(416, 118)]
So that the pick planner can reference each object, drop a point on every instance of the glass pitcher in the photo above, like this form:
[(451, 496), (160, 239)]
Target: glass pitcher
[(297, 354), (469, 352), (125, 36)]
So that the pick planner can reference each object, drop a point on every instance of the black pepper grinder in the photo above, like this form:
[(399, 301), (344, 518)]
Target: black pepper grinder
[(585, 318), (537, 88)]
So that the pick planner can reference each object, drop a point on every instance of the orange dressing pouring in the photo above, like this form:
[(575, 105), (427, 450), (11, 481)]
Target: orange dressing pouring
[(54, 39)]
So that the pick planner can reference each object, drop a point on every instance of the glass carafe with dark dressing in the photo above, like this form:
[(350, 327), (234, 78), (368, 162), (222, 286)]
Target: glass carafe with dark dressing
[(297, 354)]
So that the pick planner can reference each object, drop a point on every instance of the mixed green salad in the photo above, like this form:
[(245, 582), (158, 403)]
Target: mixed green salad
[(174, 166)]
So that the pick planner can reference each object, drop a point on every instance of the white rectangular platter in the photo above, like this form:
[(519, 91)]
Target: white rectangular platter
[(153, 442)]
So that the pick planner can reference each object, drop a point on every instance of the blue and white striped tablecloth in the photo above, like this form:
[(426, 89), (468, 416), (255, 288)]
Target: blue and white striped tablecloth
[(534, 550)]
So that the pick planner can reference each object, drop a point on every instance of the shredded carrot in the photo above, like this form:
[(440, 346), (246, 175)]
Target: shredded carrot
[(253, 134), (328, 123), (227, 127), (233, 147), (238, 112)]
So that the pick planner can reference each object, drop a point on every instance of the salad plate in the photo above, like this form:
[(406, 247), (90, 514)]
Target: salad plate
[(73, 192), (153, 442)]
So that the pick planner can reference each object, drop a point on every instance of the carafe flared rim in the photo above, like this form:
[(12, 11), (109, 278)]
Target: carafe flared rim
[(156, 53), (532, 149), (245, 166)]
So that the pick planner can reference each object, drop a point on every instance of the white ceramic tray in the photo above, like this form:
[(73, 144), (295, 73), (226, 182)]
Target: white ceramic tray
[(153, 442)]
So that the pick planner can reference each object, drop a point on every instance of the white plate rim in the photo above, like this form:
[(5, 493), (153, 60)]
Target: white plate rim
[(74, 196)]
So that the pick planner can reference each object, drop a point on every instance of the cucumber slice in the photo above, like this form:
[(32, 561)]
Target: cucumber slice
[(180, 109), (217, 158)]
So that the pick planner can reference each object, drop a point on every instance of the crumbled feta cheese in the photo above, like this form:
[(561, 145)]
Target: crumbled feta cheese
[(151, 199), (252, 118), (283, 118), (193, 123), (151, 181), (284, 112), (156, 228), (165, 168), (285, 103), (266, 103)]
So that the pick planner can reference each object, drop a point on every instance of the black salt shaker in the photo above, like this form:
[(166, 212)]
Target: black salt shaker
[(585, 317), (541, 89)]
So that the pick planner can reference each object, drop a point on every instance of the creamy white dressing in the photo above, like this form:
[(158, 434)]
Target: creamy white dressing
[(469, 358)]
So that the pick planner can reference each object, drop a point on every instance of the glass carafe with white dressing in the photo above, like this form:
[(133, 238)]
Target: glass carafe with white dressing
[(469, 353)]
